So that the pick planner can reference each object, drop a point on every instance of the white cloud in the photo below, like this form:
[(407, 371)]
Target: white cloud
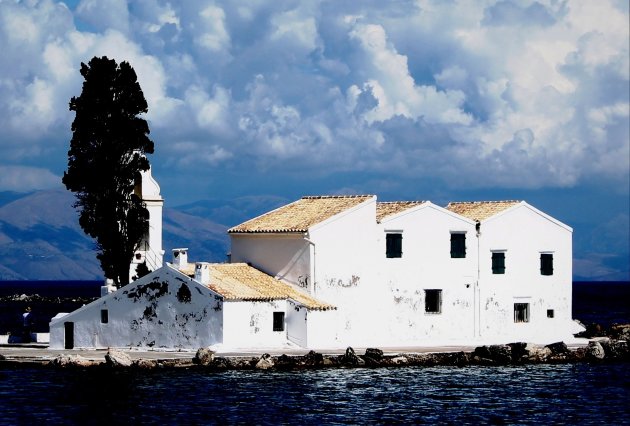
[(24, 178), (518, 94), (105, 14)]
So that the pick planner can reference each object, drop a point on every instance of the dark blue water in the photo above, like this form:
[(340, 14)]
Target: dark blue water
[(538, 394), (541, 394)]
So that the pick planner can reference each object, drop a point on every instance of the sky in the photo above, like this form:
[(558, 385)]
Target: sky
[(409, 100)]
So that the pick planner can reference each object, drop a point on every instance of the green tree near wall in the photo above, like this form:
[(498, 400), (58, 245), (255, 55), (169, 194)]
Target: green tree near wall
[(107, 153)]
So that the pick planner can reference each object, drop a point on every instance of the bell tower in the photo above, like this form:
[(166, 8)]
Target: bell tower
[(150, 251)]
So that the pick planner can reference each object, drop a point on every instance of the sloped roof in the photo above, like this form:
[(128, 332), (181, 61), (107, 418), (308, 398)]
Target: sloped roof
[(480, 210), (240, 281), (300, 215), (385, 209)]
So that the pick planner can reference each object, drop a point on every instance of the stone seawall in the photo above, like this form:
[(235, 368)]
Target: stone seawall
[(601, 350)]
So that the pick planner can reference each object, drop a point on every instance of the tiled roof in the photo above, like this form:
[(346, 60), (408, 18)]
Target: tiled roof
[(384, 209), (300, 215), (239, 281), (480, 210)]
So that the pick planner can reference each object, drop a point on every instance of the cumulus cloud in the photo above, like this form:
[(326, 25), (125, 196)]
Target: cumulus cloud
[(523, 94)]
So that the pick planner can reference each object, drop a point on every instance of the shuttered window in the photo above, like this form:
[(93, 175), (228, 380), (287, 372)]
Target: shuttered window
[(458, 245), (546, 263), (498, 263), (393, 245)]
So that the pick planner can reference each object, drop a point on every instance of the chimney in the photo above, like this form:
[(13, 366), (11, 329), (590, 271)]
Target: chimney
[(202, 272), (107, 287), (180, 257)]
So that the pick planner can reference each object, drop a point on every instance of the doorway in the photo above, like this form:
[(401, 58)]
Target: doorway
[(68, 335)]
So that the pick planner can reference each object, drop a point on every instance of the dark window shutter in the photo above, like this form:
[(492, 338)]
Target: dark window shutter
[(498, 263), (546, 264), (393, 243), (458, 245)]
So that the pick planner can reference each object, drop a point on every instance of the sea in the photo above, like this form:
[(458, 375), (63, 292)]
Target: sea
[(593, 393)]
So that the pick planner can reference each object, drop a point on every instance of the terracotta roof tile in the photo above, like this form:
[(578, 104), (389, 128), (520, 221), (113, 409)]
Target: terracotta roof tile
[(480, 210), (300, 215), (384, 209), (239, 281)]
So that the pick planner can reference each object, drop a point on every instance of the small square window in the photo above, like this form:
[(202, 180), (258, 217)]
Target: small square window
[(498, 263), (521, 312), (393, 245), (278, 321), (550, 313), (546, 263), (104, 316), (458, 245), (433, 301)]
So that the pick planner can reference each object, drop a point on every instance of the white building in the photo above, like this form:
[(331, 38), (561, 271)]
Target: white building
[(150, 251), (332, 271)]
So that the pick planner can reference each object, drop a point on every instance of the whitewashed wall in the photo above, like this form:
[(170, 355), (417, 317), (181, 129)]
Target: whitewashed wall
[(165, 309), (524, 232), (344, 270), (285, 256), (426, 264), (250, 324)]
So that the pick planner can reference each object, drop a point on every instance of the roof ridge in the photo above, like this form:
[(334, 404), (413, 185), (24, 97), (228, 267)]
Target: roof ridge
[(322, 197), (402, 202), (485, 202)]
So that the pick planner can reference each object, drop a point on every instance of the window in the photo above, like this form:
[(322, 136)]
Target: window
[(278, 321), (550, 313), (521, 312), (458, 244), (393, 246), (433, 301), (498, 262), (546, 264), (104, 316)]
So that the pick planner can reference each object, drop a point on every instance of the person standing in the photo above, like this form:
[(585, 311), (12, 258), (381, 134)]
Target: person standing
[(27, 319)]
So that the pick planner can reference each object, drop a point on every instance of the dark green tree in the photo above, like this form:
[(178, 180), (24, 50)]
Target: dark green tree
[(107, 153)]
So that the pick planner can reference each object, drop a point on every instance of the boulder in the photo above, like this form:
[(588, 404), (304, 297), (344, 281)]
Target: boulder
[(520, 352), (399, 360), (64, 361), (221, 363), (620, 332), (595, 351), (558, 348), (350, 358), (204, 356), (615, 349), (537, 353), (373, 353), (144, 364), (116, 358), (313, 359), (265, 362), (493, 354), (285, 362)]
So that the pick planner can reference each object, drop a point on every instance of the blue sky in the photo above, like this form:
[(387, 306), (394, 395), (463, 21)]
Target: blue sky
[(438, 100)]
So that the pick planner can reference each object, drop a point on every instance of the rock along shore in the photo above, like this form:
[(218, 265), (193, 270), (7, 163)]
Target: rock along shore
[(601, 350)]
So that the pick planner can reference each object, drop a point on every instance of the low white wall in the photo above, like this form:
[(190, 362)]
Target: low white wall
[(249, 324), (162, 310)]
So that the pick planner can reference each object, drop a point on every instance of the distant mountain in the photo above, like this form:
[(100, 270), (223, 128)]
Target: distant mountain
[(40, 237), (234, 211)]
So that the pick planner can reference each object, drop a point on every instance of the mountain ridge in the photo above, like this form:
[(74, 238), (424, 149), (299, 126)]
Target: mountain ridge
[(40, 236)]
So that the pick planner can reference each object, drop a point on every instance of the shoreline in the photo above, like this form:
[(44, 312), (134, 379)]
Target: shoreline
[(514, 354)]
